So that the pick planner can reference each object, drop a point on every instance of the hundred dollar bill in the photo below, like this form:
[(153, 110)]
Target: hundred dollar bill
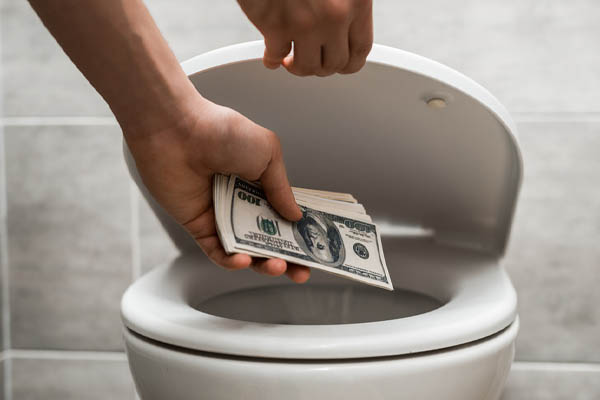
[(334, 234)]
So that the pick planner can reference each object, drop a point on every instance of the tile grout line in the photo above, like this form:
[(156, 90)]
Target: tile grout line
[(4, 270), (58, 121), (134, 196), (542, 366), (6, 331), (24, 354), (65, 355), (6, 342), (519, 116), (556, 116)]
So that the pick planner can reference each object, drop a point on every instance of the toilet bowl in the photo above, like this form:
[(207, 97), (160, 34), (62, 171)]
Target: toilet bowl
[(421, 146)]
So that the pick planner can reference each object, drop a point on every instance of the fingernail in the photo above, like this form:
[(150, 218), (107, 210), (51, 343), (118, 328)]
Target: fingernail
[(287, 61)]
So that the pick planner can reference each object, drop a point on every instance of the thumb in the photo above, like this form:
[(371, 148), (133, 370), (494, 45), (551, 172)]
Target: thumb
[(276, 186), (276, 49)]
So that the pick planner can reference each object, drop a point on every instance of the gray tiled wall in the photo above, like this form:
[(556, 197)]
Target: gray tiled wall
[(68, 236), (535, 56), (2, 397), (77, 232), (551, 382), (33, 64), (71, 379), (554, 257), (3, 258), (155, 246)]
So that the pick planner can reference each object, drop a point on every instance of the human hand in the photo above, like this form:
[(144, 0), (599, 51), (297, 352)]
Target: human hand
[(177, 165), (329, 36)]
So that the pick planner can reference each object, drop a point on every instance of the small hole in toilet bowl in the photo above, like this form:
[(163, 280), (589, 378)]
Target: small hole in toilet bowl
[(437, 102)]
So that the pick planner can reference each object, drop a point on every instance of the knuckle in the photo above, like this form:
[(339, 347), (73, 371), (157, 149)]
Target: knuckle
[(340, 63), (341, 66), (337, 11), (269, 63), (265, 151), (362, 50), (277, 52), (305, 22), (254, 174), (352, 69), (273, 25), (354, 66), (274, 142)]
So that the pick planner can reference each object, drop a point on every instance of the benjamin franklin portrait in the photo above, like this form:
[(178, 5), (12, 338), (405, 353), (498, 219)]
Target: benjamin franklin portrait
[(320, 239)]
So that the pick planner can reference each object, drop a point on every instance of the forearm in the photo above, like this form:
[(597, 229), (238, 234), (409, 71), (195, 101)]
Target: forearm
[(119, 49)]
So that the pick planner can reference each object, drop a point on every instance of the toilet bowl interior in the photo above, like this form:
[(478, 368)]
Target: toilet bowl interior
[(426, 275), (329, 300), (317, 304)]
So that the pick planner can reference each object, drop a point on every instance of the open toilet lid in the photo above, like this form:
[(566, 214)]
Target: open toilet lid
[(377, 135)]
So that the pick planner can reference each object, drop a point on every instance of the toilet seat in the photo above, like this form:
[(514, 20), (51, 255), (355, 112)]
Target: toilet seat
[(478, 298)]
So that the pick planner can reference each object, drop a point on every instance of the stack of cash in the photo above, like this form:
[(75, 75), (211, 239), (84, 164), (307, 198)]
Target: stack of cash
[(335, 233)]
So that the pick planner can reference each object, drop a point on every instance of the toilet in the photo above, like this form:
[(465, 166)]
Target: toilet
[(434, 158)]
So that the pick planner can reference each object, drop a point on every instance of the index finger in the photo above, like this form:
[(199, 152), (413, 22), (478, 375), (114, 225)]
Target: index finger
[(277, 188)]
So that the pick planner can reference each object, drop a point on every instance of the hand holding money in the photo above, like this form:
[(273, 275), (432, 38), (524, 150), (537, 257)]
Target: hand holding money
[(177, 167), (334, 234)]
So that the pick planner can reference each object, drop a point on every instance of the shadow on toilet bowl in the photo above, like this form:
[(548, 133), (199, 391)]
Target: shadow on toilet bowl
[(317, 304)]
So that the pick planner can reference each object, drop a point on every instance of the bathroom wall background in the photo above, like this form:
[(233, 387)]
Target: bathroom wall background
[(76, 232)]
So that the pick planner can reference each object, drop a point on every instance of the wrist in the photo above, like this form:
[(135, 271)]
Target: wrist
[(161, 107)]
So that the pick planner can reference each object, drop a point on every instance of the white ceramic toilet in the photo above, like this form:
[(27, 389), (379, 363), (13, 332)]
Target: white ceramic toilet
[(451, 166)]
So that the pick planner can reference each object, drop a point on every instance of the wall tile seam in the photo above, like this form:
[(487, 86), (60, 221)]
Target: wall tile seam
[(4, 270), (523, 117), (5, 309), (3, 192), (7, 379), (134, 204), (64, 355), (4, 256), (556, 366), (518, 116), (58, 121), (79, 355)]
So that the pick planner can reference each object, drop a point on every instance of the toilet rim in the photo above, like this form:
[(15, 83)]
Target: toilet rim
[(481, 301)]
